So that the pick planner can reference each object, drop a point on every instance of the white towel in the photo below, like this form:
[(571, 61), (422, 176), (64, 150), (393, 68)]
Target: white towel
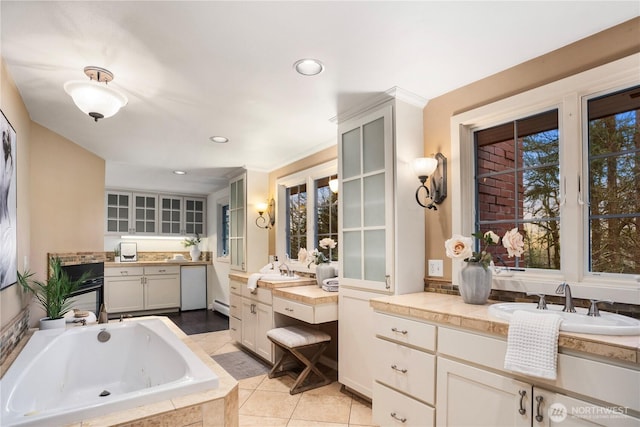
[(532, 344), (333, 281), (252, 283), (269, 268)]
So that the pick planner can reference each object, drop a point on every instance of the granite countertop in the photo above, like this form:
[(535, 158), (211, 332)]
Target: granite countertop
[(451, 310), (267, 284), (312, 295), (110, 264)]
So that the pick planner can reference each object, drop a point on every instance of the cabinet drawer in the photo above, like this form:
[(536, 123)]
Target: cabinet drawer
[(235, 287), (235, 328), (391, 407), (293, 309), (235, 306), (406, 369), (262, 295), (123, 271), (410, 332), (171, 269)]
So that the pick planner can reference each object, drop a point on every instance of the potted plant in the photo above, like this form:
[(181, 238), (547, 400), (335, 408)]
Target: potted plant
[(116, 253), (194, 250), (53, 295)]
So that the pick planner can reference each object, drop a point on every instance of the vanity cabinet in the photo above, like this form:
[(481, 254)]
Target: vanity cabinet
[(133, 289), (381, 227), (250, 317)]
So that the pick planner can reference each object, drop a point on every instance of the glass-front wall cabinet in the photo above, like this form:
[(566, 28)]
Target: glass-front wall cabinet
[(237, 223), (365, 153)]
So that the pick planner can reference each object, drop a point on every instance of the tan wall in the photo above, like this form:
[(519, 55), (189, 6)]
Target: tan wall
[(11, 299), (60, 196), (609, 45), (318, 158)]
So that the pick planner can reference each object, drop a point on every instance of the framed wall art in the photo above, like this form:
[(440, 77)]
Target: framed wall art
[(8, 205)]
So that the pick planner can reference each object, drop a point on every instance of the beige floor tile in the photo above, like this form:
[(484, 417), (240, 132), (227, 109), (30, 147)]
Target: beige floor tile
[(227, 348), (243, 395), (251, 421), (251, 383), (270, 404), (360, 414), (307, 423), (282, 384), (333, 389), (316, 407)]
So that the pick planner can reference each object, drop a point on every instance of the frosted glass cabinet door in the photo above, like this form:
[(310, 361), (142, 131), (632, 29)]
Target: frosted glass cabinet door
[(237, 225), (366, 169)]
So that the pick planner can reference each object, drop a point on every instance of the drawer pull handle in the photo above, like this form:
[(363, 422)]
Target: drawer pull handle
[(233, 306), (124, 272), (288, 309), (523, 394), (398, 331), (162, 271), (539, 416), (401, 419), (395, 368)]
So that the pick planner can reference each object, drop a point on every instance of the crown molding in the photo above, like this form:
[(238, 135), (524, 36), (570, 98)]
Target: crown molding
[(395, 93)]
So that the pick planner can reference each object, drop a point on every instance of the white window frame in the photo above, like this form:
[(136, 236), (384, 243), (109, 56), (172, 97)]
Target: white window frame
[(308, 177), (223, 201), (569, 96)]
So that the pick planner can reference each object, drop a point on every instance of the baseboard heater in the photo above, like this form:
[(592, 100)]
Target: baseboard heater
[(221, 307)]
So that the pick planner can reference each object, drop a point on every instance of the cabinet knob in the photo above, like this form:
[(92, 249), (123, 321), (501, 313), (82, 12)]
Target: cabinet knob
[(396, 417)]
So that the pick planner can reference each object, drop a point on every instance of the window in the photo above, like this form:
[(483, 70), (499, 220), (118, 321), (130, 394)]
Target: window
[(560, 162), (223, 230), (326, 216), (517, 186), (309, 210), (614, 182)]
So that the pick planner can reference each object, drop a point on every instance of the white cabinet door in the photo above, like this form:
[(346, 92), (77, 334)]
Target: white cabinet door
[(249, 324), (395, 409), (124, 294), (235, 328), (468, 396), (194, 216), (162, 291), (365, 165), (118, 215), (264, 315), (554, 409)]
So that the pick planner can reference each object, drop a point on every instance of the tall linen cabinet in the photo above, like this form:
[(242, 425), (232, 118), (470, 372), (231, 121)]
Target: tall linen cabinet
[(381, 234)]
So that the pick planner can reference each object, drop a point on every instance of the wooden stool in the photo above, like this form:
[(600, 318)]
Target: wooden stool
[(292, 340)]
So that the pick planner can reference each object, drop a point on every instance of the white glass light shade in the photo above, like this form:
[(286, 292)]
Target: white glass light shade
[(424, 166), (93, 97), (333, 185), (262, 207)]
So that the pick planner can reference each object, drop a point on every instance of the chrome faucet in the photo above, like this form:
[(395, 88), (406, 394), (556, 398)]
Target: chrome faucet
[(565, 289), (287, 271)]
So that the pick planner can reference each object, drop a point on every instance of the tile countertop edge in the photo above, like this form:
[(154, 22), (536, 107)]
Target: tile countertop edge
[(303, 281), (111, 264), (312, 295), (451, 310)]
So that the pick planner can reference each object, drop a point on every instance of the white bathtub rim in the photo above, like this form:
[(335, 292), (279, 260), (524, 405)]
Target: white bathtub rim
[(101, 406)]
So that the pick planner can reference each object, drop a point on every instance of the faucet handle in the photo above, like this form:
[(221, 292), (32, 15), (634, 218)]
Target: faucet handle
[(593, 307), (542, 303)]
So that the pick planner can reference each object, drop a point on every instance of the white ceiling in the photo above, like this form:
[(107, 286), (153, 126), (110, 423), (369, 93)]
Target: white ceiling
[(193, 69)]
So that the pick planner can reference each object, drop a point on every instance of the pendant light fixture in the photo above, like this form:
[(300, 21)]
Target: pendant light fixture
[(95, 97)]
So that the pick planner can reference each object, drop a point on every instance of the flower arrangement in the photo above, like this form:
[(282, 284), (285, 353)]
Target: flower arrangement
[(460, 247), (194, 241), (317, 257)]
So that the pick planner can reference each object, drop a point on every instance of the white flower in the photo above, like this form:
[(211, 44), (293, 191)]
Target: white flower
[(327, 242), (513, 243), (492, 236), (459, 247)]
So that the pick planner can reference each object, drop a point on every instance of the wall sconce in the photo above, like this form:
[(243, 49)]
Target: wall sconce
[(436, 167), (333, 185), (269, 208)]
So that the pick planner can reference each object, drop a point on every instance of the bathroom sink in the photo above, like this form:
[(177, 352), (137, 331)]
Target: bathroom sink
[(276, 277), (606, 324)]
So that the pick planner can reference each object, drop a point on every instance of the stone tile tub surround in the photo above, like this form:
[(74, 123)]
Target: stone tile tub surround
[(451, 310), (217, 407), (12, 334)]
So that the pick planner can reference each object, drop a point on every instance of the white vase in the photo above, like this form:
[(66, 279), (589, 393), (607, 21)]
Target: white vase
[(46, 323), (194, 252), (475, 283), (324, 271)]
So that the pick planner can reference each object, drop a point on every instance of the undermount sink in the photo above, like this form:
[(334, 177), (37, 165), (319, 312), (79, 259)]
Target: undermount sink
[(605, 324), (276, 277)]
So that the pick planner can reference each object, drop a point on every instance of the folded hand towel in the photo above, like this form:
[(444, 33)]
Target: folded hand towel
[(332, 281), (532, 344), (252, 283)]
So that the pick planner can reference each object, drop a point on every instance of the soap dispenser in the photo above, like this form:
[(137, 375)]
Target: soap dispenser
[(103, 317)]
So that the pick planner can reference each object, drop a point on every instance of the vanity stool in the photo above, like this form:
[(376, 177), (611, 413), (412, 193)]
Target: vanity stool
[(293, 340)]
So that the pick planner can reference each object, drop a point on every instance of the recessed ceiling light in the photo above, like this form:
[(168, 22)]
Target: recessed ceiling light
[(308, 67), (180, 172), (219, 139)]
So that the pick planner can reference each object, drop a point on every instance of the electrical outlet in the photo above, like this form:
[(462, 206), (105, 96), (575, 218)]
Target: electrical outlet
[(436, 268)]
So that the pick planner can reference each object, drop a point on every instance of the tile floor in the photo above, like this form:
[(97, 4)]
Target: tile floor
[(266, 402)]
